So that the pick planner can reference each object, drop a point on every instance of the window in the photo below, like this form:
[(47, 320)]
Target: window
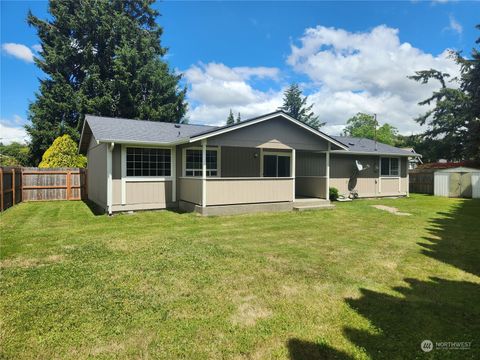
[(389, 166), (276, 165), (148, 162), (193, 162)]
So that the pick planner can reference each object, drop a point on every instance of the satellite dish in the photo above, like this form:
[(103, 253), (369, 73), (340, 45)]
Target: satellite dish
[(360, 167)]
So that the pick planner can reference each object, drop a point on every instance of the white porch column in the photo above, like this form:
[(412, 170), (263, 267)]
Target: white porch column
[(109, 177), (173, 159), (261, 162), (293, 173), (124, 174), (327, 173), (204, 172)]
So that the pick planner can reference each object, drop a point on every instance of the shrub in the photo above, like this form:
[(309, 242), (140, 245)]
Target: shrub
[(63, 153), (333, 193)]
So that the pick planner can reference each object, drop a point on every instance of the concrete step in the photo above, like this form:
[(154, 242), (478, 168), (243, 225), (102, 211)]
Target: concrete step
[(313, 207), (311, 202)]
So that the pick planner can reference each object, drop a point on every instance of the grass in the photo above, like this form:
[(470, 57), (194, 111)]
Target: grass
[(352, 283)]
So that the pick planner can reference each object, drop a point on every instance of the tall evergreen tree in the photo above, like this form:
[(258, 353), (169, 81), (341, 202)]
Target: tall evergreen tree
[(231, 118), (239, 118), (102, 58), (455, 116), (296, 106)]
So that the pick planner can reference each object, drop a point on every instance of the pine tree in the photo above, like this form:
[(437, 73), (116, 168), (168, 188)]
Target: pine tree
[(230, 119), (295, 105), (102, 58), (239, 118)]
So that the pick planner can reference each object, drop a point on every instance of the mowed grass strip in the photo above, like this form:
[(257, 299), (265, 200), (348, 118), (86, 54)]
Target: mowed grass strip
[(353, 283)]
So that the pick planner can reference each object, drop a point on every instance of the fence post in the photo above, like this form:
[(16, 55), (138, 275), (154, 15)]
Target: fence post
[(1, 189), (68, 185), (14, 184)]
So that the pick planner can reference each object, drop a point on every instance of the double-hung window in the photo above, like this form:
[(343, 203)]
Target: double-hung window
[(148, 162), (389, 166), (193, 162), (276, 165)]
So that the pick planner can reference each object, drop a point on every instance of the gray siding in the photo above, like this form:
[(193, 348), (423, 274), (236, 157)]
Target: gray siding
[(240, 162), (97, 173), (277, 133)]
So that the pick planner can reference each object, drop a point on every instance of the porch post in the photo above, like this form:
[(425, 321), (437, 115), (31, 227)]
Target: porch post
[(327, 173), (293, 173), (173, 172), (204, 172), (109, 177)]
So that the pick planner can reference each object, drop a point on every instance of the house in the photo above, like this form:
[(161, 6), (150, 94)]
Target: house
[(413, 161), (267, 163)]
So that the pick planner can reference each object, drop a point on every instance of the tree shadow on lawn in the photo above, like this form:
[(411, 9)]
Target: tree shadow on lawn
[(440, 310)]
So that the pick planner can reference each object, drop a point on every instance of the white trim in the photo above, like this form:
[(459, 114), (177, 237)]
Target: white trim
[(124, 173), (204, 172), (148, 178), (327, 173), (379, 174), (400, 175), (173, 172), (292, 171), (218, 149), (145, 143), (278, 153), (265, 118), (109, 177)]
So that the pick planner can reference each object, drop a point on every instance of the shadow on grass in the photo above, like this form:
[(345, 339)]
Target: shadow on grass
[(440, 310), (94, 208)]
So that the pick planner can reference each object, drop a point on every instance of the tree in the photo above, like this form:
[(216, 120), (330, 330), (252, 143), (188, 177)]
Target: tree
[(364, 125), (230, 119), (63, 153), (239, 119), (102, 58), (14, 154), (296, 106), (454, 118)]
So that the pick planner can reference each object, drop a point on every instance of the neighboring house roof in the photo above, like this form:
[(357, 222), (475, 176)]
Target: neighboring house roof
[(457, 169), (447, 165), (363, 145)]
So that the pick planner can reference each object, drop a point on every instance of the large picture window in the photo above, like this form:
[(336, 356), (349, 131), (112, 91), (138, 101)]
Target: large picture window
[(389, 166), (276, 165), (193, 162), (148, 162)]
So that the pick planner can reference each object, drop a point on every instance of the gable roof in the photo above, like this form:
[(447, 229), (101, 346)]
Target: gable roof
[(107, 129), (368, 146), (258, 119)]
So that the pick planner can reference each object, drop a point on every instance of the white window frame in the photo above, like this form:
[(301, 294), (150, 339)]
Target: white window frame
[(390, 167), (148, 178), (199, 148), (277, 153)]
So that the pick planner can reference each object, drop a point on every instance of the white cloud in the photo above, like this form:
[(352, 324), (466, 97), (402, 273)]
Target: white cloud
[(215, 88), (365, 72), (37, 47), (19, 51), (9, 134), (454, 25)]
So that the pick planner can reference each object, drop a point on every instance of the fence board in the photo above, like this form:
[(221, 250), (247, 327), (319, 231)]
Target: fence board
[(34, 184)]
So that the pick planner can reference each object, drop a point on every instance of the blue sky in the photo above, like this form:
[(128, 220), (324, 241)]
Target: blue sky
[(348, 56)]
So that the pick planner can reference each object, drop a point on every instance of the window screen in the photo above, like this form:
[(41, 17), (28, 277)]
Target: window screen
[(148, 162)]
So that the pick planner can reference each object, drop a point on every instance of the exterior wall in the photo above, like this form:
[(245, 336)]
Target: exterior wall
[(310, 186), (240, 162), (368, 184), (277, 133), (223, 191), (97, 173), (190, 190)]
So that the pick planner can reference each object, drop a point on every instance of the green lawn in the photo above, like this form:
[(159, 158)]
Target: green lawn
[(354, 282)]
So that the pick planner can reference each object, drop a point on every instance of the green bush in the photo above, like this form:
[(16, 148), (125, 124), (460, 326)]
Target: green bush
[(333, 193), (63, 153)]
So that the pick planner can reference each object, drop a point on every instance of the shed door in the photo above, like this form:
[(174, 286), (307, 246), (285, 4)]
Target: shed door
[(476, 186), (455, 185), (441, 184)]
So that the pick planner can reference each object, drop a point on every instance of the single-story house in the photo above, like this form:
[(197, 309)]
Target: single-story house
[(270, 162)]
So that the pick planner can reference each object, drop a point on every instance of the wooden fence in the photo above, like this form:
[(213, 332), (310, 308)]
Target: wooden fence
[(34, 184), (421, 182)]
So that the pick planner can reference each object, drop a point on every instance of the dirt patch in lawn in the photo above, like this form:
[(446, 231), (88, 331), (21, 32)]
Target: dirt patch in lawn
[(29, 262), (249, 311), (391, 210)]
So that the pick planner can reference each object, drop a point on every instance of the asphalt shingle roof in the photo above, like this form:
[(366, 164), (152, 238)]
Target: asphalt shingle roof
[(356, 144)]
